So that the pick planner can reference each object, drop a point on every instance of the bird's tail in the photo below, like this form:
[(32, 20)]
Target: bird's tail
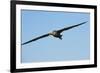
[(60, 37)]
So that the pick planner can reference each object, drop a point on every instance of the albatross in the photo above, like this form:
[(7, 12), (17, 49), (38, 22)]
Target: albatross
[(55, 33)]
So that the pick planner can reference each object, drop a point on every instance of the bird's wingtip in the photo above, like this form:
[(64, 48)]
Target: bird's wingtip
[(85, 22), (22, 44)]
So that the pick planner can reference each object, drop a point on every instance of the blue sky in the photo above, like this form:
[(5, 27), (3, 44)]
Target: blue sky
[(75, 44)]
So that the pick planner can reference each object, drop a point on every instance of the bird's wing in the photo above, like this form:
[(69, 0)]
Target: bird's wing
[(70, 27), (36, 39)]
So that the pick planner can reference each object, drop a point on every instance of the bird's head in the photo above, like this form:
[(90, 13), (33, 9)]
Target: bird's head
[(54, 32)]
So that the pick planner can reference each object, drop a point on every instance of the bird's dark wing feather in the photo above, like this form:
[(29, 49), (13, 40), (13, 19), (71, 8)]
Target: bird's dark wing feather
[(70, 27), (35, 39)]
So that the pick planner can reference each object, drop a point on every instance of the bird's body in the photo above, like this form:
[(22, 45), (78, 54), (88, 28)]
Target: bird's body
[(55, 33)]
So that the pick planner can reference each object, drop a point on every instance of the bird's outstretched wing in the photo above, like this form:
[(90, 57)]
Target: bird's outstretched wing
[(36, 39), (70, 27)]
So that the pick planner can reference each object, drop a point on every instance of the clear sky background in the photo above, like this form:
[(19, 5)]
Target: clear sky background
[(75, 44)]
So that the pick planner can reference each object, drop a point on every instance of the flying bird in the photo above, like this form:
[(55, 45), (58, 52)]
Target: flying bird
[(55, 33)]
